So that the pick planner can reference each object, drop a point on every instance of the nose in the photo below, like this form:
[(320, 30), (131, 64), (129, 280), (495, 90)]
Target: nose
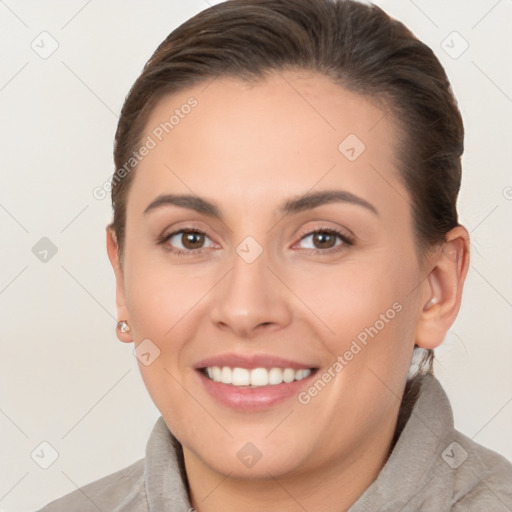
[(251, 299)]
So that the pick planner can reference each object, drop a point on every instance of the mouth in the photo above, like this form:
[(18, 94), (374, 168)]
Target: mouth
[(255, 377), (255, 382)]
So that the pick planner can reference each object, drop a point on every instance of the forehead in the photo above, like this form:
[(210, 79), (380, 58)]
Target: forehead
[(292, 131)]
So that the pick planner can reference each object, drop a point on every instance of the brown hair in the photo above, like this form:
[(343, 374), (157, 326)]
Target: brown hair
[(356, 45)]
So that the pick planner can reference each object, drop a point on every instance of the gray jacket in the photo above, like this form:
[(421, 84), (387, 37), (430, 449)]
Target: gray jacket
[(432, 468)]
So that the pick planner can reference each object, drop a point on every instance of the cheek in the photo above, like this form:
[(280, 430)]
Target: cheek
[(160, 302), (159, 294), (353, 295), (365, 311), (162, 305), (166, 304)]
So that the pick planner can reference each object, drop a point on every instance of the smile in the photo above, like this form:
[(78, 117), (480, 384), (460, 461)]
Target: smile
[(255, 377), (253, 382)]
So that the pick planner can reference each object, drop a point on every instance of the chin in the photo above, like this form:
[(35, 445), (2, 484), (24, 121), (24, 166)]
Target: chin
[(243, 459), (267, 467)]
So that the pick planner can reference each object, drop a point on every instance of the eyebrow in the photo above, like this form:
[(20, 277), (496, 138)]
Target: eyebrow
[(294, 205)]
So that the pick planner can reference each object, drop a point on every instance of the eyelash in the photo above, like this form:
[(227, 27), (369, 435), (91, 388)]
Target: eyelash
[(347, 242)]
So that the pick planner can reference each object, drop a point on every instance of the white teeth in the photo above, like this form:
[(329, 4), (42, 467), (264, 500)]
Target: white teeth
[(289, 375), (256, 377), (302, 374), (226, 375), (259, 377), (216, 374), (275, 376), (240, 377)]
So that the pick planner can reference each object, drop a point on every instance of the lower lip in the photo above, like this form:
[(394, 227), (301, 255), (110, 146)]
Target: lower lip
[(253, 399)]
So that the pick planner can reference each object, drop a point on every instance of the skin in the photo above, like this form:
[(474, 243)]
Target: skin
[(248, 148)]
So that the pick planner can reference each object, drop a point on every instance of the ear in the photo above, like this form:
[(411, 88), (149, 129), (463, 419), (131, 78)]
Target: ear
[(442, 290), (122, 311)]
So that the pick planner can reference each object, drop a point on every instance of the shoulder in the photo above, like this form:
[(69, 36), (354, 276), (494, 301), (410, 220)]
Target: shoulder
[(106, 493), (482, 478)]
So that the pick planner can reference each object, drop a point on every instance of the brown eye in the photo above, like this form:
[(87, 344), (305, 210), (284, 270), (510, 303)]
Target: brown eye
[(324, 240), (184, 241), (192, 239)]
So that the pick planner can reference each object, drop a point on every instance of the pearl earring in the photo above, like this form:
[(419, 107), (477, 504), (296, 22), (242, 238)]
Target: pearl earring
[(430, 303), (123, 326)]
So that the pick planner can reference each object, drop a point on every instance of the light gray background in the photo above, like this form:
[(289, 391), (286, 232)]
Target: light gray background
[(65, 378)]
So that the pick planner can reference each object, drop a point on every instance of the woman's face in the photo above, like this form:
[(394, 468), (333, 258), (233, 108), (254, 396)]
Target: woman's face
[(278, 278)]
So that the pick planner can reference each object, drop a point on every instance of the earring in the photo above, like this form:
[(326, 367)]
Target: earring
[(430, 303), (123, 326)]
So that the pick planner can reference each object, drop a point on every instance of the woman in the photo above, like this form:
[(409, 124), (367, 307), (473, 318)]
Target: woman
[(286, 245)]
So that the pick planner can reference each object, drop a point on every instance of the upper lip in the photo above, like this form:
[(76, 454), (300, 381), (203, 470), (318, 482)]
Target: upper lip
[(251, 361)]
